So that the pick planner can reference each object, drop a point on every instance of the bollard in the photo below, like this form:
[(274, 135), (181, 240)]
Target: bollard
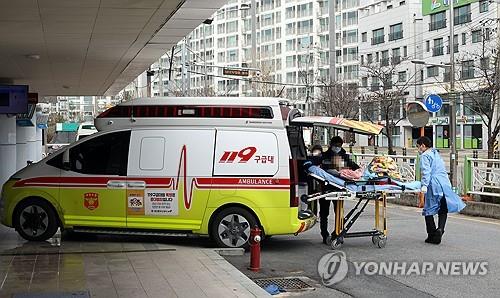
[(254, 249)]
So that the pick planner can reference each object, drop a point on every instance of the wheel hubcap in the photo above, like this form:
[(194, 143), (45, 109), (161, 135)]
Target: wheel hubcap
[(34, 220), (234, 230)]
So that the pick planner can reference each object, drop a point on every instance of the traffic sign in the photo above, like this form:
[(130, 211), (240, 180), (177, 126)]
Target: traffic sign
[(433, 103)]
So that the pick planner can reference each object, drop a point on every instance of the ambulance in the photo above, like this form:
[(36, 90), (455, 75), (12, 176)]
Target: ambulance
[(169, 166)]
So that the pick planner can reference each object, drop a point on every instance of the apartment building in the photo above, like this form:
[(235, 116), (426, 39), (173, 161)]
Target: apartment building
[(292, 49)]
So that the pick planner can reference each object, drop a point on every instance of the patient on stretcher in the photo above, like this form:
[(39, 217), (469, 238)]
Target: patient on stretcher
[(364, 184)]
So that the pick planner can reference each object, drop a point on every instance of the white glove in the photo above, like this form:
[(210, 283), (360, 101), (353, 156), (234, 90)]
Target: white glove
[(424, 189)]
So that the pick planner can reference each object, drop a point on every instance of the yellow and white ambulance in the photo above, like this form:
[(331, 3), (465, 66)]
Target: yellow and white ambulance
[(211, 166)]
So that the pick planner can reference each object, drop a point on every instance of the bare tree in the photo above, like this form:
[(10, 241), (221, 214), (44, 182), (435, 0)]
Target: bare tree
[(339, 100), (480, 82), (266, 76), (384, 97)]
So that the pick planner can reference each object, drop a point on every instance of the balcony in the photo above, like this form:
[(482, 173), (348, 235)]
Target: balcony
[(437, 25), (396, 35), (462, 19), (438, 51), (377, 40)]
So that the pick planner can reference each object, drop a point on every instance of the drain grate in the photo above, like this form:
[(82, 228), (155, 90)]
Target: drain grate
[(286, 283)]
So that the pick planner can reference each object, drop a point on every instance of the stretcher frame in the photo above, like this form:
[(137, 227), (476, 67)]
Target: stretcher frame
[(344, 223)]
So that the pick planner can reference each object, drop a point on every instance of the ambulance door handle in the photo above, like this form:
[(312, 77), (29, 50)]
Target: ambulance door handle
[(116, 184), (136, 184)]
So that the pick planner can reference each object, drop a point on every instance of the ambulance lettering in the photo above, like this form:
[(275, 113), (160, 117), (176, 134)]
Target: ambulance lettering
[(244, 156), (256, 181)]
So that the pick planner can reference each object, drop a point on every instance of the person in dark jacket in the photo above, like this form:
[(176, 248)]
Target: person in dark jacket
[(333, 160)]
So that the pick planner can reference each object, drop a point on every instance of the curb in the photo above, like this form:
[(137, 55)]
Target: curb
[(481, 209)]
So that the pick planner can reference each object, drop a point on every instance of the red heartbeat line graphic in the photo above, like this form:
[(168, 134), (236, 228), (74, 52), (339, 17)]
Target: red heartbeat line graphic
[(183, 167)]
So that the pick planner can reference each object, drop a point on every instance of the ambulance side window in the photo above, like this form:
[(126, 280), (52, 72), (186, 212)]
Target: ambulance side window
[(104, 155)]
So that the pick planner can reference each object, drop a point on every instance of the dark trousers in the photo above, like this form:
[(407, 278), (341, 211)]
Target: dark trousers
[(324, 211), (442, 216)]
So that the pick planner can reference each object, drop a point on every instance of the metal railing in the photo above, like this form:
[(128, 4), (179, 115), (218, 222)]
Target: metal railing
[(482, 176)]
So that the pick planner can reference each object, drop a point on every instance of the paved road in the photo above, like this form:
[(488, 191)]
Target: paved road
[(466, 239)]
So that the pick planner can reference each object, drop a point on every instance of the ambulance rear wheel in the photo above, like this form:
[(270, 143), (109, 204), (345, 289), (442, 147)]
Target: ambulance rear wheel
[(35, 220), (231, 227)]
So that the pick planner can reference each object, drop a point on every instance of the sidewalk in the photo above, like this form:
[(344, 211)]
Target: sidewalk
[(116, 269)]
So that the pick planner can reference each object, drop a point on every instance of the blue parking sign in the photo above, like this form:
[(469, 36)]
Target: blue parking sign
[(433, 103)]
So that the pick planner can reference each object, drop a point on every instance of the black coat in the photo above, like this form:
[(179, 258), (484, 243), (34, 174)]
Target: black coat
[(328, 160)]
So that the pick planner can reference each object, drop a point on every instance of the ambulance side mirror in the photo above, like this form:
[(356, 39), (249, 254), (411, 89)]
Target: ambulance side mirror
[(66, 164)]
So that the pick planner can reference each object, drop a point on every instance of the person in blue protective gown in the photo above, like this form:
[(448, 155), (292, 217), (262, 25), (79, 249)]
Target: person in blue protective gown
[(440, 198)]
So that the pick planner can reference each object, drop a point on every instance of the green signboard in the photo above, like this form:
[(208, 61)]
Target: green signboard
[(433, 6)]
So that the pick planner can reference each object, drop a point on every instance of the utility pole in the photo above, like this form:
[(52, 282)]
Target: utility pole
[(183, 68), (160, 77), (453, 102), (418, 54), (253, 11)]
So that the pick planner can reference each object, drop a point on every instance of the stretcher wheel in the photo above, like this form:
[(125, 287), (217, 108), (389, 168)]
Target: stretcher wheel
[(336, 243), (379, 240)]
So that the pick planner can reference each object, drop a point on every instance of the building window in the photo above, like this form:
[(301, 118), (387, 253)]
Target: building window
[(432, 71), (473, 136), (476, 36), (484, 6), (396, 56), (364, 82), (428, 46), (462, 15), (464, 38), (438, 21), (364, 37), (402, 77), (467, 70), (369, 58), (378, 36), (438, 47), (350, 36), (396, 32)]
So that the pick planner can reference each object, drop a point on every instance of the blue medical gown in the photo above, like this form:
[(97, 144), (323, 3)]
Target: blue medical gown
[(435, 177)]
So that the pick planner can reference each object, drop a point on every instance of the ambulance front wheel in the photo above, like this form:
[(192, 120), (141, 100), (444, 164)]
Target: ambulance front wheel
[(231, 227), (35, 220)]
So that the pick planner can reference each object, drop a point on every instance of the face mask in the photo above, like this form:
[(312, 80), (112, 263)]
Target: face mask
[(336, 149), (316, 153)]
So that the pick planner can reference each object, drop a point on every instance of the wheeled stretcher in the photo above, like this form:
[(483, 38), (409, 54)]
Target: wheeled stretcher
[(339, 190)]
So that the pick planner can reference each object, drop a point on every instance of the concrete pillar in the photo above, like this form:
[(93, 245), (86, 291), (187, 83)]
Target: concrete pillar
[(21, 147), (39, 144), (7, 147), (31, 141)]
